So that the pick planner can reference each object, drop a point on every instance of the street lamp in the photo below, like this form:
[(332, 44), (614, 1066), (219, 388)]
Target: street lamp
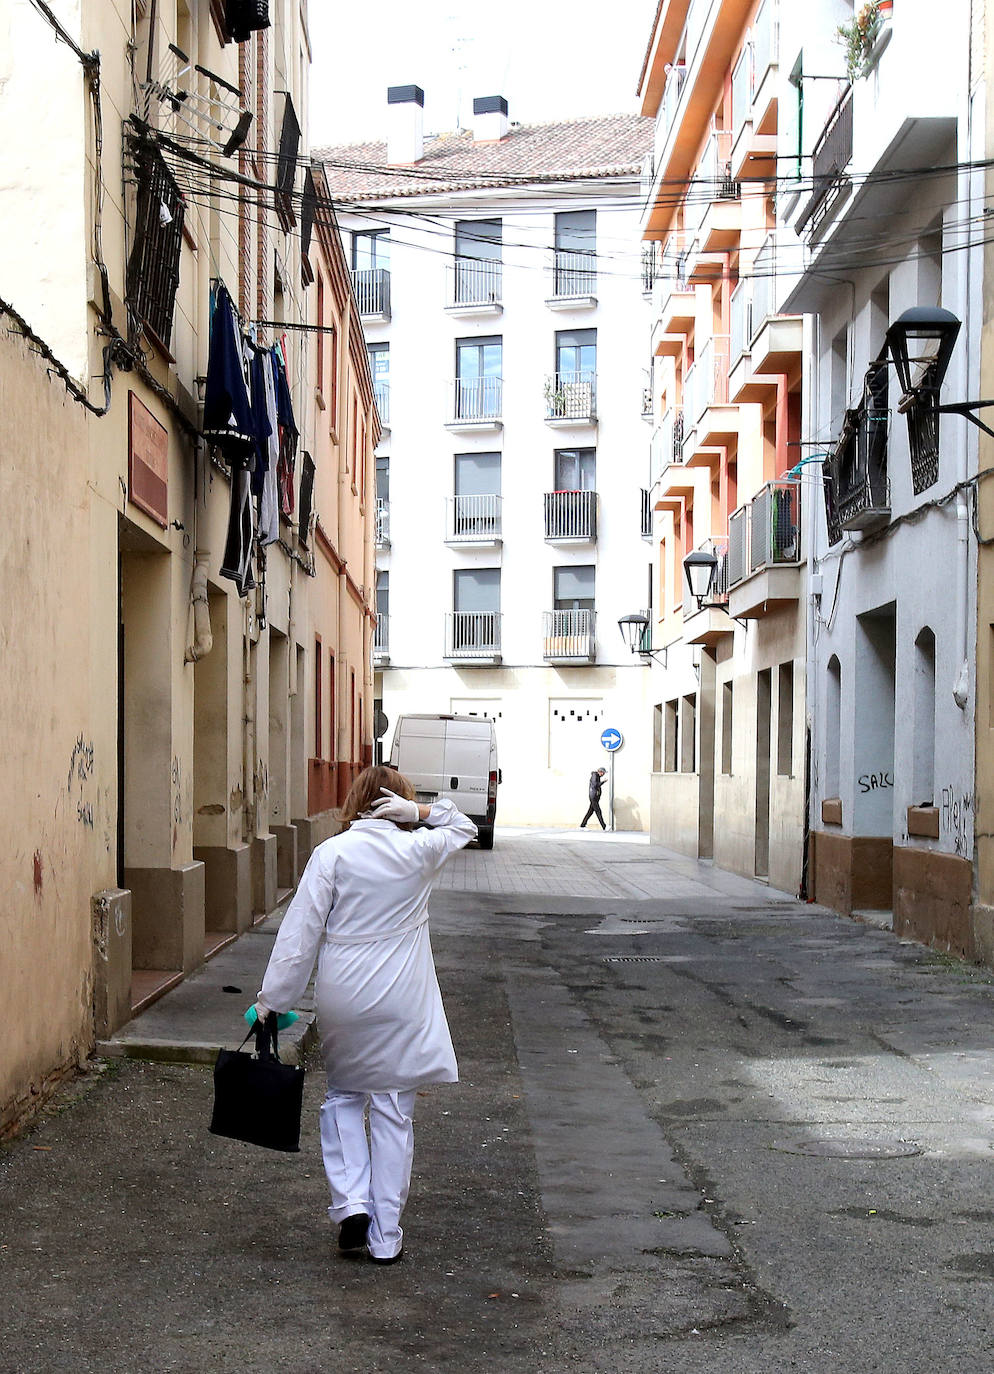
[(635, 632), (700, 568), (921, 343)]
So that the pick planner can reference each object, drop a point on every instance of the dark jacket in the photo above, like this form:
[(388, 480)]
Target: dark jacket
[(596, 783)]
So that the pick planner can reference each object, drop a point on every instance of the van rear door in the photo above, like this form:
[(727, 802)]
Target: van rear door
[(419, 753), (467, 764)]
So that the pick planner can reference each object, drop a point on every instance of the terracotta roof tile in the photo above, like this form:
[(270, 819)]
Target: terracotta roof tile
[(600, 146)]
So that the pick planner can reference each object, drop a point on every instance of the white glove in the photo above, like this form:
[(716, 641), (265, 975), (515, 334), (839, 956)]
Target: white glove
[(391, 807), (261, 1011)]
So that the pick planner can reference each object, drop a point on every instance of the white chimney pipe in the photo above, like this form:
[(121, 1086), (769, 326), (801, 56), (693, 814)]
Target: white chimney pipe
[(405, 126), (489, 119)]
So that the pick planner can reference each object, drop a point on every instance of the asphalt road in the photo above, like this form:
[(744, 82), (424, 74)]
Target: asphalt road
[(699, 1127)]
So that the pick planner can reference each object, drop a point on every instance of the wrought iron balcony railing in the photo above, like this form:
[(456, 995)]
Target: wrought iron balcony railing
[(372, 290), (568, 635), (472, 634), (857, 489), (476, 281), (474, 519), (574, 272), (832, 155), (571, 396), (478, 399), (570, 515), (382, 523)]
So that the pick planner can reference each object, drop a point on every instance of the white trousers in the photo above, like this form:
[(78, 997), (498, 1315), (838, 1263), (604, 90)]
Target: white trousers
[(373, 1174)]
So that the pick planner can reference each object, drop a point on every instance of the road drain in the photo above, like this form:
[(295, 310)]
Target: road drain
[(636, 959), (833, 1148)]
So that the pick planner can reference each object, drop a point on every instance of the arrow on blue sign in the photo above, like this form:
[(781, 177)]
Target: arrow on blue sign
[(611, 740)]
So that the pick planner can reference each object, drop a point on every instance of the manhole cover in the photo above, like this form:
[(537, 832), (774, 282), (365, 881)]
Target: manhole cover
[(834, 1148)]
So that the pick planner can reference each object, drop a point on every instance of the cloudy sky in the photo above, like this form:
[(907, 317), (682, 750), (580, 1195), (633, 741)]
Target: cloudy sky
[(550, 61)]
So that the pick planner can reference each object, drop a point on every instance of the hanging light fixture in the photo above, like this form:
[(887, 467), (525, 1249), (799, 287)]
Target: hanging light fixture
[(920, 342), (699, 568), (633, 629)]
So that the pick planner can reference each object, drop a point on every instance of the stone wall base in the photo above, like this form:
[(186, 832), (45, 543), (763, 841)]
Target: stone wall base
[(932, 899), (110, 913), (852, 872), (314, 830), (287, 871), (264, 854), (228, 886), (167, 906)]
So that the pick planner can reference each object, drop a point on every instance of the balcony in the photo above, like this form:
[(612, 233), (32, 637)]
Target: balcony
[(474, 520), (382, 527), (857, 489), (764, 551), (381, 640), (476, 404), (647, 406), (475, 287), (571, 399), (574, 279), (832, 155), (710, 623), (473, 637), (568, 637), (372, 293), (666, 446), (381, 394), (740, 322), (766, 54), (570, 517)]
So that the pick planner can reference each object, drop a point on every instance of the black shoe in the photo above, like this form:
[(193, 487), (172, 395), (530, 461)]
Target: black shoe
[(352, 1232), (390, 1259)]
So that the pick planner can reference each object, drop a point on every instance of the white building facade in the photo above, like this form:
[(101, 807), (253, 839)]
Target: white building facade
[(499, 278), (885, 216)]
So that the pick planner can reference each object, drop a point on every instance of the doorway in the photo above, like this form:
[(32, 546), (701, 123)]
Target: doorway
[(764, 707)]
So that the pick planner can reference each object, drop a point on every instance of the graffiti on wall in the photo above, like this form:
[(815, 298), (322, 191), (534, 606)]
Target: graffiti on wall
[(79, 779), (954, 815), (873, 782)]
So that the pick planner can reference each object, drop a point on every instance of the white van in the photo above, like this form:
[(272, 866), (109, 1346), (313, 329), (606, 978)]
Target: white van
[(454, 757)]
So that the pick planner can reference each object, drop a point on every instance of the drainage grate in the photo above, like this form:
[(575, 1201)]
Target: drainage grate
[(635, 959)]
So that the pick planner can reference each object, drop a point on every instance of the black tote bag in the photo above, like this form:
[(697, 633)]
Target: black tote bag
[(256, 1098)]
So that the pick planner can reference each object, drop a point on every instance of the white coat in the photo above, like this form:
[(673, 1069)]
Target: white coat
[(362, 909)]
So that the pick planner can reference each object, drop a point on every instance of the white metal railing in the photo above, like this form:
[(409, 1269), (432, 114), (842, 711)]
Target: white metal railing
[(742, 89), (671, 100), (478, 398), (372, 290), (474, 519), (381, 394), (740, 321), (382, 522), (574, 272), (766, 531), (472, 634), (568, 634), (571, 396), (697, 18), (766, 41), (381, 633), (570, 515), (476, 281), (691, 392), (711, 367), (763, 279)]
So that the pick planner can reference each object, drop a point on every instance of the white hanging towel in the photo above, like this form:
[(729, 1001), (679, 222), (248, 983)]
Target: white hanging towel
[(362, 909)]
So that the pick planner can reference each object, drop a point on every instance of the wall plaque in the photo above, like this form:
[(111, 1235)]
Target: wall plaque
[(148, 461)]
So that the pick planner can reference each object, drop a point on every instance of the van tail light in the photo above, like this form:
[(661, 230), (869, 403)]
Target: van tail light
[(492, 787)]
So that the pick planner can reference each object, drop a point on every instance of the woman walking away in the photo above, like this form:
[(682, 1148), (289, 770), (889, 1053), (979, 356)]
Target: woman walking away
[(362, 909)]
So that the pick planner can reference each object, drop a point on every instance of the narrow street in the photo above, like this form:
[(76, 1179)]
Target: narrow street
[(700, 1127)]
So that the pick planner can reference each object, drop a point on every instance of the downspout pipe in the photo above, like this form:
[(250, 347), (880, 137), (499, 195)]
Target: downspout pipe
[(203, 639)]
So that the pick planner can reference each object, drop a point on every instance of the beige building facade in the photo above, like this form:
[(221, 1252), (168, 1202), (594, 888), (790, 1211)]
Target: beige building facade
[(191, 733)]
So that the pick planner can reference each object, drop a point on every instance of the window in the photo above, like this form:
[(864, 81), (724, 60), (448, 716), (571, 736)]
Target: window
[(576, 469), (476, 509), (383, 593), (476, 591), (332, 713), (371, 251), (478, 261), (379, 368), (670, 736), (333, 381), (727, 706), (785, 720), (322, 385), (657, 737), (478, 378), (383, 479), (576, 354), (923, 776), (573, 587), (833, 728), (318, 693), (576, 253)]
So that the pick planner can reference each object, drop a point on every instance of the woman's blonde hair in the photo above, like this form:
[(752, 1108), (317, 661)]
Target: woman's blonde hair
[(366, 790)]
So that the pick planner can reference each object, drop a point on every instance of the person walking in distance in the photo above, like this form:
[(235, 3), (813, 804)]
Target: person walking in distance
[(594, 793), (361, 910)]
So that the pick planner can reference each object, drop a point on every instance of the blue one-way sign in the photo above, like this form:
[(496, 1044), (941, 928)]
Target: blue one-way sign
[(612, 739)]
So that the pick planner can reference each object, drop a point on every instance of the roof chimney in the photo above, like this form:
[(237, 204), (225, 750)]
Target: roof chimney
[(489, 119), (405, 125)]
